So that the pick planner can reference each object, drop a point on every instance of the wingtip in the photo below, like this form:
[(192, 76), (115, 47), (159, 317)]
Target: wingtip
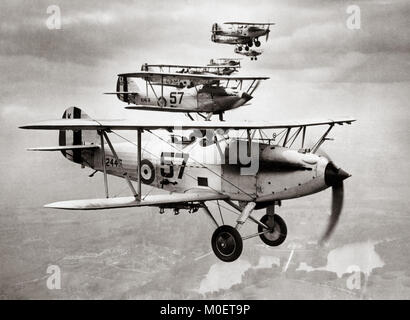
[(55, 205), (50, 205)]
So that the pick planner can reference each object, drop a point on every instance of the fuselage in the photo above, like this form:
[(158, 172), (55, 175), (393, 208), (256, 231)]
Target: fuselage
[(250, 53), (201, 99), (248, 31), (262, 173), (229, 39)]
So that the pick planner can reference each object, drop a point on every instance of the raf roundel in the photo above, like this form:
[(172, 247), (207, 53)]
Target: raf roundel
[(147, 172)]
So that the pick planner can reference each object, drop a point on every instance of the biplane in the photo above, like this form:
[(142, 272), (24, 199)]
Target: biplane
[(203, 94), (253, 54), (240, 33), (247, 173), (233, 62), (220, 69)]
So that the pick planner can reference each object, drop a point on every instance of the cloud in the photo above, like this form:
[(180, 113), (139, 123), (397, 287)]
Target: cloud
[(310, 42)]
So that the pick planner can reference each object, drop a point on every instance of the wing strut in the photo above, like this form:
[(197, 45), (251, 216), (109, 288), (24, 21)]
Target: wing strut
[(155, 94), (136, 196), (322, 139), (139, 164), (103, 164)]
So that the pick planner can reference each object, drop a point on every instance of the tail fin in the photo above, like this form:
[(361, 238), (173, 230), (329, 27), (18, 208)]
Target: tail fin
[(75, 138), (125, 84), (215, 28)]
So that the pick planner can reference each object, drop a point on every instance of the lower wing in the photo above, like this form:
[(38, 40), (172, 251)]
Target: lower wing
[(160, 200)]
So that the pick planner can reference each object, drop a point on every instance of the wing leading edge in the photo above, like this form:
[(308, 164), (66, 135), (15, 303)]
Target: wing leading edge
[(62, 148), (89, 124), (126, 202), (165, 75)]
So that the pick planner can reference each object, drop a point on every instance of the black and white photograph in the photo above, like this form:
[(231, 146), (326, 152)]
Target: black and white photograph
[(205, 150)]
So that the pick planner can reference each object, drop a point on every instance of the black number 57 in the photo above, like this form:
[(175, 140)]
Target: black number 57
[(173, 97), (168, 164)]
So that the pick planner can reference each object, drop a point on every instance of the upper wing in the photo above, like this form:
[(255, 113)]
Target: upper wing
[(89, 124), (122, 92), (62, 148), (158, 76), (159, 200), (185, 66), (251, 23)]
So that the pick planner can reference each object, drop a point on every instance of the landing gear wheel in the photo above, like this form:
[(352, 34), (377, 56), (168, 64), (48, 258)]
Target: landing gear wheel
[(256, 58), (240, 48), (250, 44), (246, 48), (257, 43), (278, 232), (227, 243)]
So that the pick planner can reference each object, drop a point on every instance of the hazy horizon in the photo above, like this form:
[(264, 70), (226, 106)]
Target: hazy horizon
[(318, 68)]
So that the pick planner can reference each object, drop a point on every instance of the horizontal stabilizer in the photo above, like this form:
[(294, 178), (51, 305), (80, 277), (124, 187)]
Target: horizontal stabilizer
[(124, 202), (61, 148)]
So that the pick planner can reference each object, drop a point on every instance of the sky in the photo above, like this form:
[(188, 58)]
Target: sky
[(317, 67)]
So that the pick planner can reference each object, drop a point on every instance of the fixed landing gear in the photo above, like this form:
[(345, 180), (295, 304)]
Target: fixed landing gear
[(276, 234), (227, 243), (254, 58), (250, 44), (257, 43), (240, 48), (246, 48)]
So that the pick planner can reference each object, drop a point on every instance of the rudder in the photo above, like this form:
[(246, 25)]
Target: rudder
[(77, 137)]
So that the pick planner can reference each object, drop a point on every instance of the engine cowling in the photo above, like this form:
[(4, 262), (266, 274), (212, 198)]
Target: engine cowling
[(288, 157)]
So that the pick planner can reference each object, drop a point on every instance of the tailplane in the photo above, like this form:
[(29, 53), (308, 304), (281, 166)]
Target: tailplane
[(85, 138), (127, 88)]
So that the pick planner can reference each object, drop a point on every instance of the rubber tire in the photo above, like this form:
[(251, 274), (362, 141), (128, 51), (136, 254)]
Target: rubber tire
[(235, 236), (240, 48), (246, 48), (278, 222), (257, 43)]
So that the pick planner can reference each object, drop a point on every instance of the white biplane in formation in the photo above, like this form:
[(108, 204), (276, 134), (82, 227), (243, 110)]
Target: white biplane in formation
[(240, 34), (251, 173), (233, 62), (253, 54), (204, 94)]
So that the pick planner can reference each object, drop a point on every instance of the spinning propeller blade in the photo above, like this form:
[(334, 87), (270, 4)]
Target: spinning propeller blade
[(334, 177), (337, 205)]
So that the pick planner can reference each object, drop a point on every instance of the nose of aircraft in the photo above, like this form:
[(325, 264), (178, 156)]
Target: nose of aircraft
[(334, 175), (243, 98), (246, 96)]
